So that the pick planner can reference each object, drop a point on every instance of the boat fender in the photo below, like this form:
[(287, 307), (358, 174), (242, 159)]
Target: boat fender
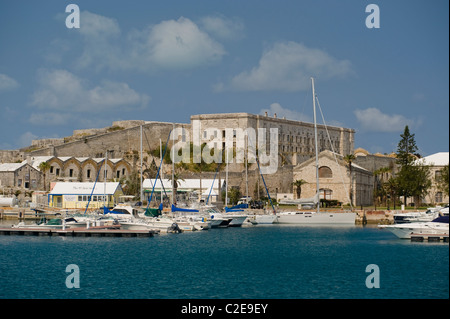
[(212, 216)]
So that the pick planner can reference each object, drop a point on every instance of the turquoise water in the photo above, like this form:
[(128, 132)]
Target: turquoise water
[(276, 262)]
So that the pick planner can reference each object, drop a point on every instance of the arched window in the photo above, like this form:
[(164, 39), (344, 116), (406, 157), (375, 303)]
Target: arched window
[(325, 172)]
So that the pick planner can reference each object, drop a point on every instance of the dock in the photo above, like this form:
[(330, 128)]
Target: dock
[(429, 237), (100, 231)]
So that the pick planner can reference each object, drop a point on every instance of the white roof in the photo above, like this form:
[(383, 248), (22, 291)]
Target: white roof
[(186, 185), (62, 188), (10, 167), (437, 159)]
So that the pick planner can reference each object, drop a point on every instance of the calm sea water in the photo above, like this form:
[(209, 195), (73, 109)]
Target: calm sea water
[(274, 261)]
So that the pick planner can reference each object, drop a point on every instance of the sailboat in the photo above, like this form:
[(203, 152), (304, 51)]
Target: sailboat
[(317, 217)]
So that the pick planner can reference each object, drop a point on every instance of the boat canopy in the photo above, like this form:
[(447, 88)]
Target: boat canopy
[(232, 210), (177, 209)]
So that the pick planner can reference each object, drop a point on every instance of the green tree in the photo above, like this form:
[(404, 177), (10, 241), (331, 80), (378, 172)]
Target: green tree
[(443, 180), (413, 178), (349, 158), (44, 167), (406, 148), (298, 185)]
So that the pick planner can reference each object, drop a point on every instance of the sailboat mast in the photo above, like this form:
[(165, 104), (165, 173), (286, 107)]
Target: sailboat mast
[(316, 146)]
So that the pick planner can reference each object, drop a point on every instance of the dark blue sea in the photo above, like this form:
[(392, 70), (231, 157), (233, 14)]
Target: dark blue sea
[(273, 261)]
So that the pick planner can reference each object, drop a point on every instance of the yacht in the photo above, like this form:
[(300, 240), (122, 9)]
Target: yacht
[(131, 218), (54, 223), (404, 230), (411, 217), (316, 217)]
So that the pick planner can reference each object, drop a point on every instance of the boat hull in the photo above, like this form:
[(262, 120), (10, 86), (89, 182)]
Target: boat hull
[(316, 218), (404, 231)]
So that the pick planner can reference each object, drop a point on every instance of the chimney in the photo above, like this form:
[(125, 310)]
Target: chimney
[(275, 115), (265, 114)]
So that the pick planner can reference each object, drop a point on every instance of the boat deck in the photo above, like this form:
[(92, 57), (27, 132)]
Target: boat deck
[(100, 231)]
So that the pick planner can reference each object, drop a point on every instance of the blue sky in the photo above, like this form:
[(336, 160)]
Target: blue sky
[(167, 60)]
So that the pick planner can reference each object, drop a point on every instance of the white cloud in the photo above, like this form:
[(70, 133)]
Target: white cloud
[(276, 108), (288, 66), (7, 83), (170, 44), (373, 120), (175, 44), (96, 26), (63, 91), (222, 27)]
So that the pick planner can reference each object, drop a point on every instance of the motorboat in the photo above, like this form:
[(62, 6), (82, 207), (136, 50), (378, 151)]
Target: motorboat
[(54, 223), (404, 230), (132, 218), (265, 219)]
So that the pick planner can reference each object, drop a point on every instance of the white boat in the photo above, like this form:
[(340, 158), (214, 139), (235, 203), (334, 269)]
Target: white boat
[(404, 231), (236, 219), (54, 223), (215, 216), (131, 218), (261, 219), (412, 217), (316, 218), (297, 217)]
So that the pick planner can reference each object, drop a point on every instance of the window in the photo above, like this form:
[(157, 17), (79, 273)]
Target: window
[(437, 175), (123, 171), (438, 198), (80, 198), (325, 172), (51, 169), (57, 172), (71, 172), (326, 193), (88, 173), (118, 174)]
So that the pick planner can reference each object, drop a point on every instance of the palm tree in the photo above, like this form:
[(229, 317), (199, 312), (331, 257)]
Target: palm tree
[(44, 167), (349, 159), (298, 184), (176, 179)]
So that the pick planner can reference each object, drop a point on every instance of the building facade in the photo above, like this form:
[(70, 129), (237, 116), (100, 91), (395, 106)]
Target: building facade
[(81, 195), (335, 181), (20, 175)]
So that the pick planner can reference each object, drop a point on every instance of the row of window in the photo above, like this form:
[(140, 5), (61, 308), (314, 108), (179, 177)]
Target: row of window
[(56, 171), (95, 198)]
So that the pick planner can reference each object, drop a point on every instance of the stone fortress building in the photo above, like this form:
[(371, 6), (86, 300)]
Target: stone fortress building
[(122, 141), (79, 158)]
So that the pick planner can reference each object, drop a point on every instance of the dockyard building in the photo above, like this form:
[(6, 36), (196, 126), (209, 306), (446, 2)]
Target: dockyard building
[(81, 195)]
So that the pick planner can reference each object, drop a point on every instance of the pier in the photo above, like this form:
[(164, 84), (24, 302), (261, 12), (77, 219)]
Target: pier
[(79, 232), (429, 237)]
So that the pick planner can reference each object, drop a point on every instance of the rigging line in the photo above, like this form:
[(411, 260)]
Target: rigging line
[(92, 192), (332, 149), (162, 184), (215, 175), (260, 173), (159, 168)]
